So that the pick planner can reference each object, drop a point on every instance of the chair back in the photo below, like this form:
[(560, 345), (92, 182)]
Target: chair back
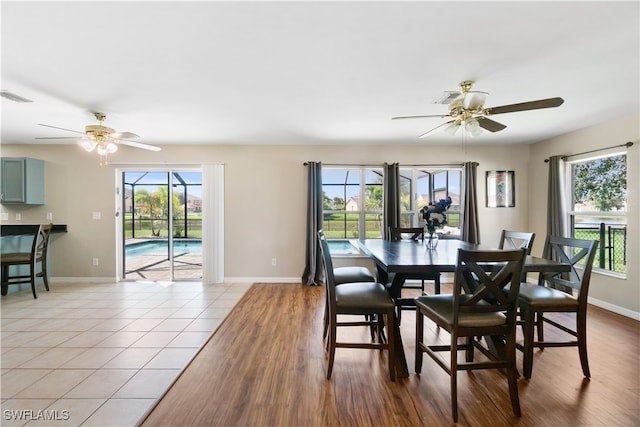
[(41, 242), (576, 252), (516, 240), (328, 267), (487, 282), (408, 233)]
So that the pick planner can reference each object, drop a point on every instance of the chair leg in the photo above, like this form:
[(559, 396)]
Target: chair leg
[(582, 343), (512, 375), (331, 346), (5, 279), (528, 315), (454, 378), (539, 322), (32, 277), (45, 279), (391, 342), (436, 284), (419, 340)]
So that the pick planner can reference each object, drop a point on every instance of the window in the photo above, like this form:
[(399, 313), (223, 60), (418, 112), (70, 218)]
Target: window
[(598, 208), (422, 185), (352, 202)]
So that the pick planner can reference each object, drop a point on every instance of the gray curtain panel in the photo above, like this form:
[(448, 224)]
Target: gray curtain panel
[(555, 200), (391, 190), (313, 269), (469, 213)]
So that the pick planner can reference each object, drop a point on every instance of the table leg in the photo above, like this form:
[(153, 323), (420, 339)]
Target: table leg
[(402, 371)]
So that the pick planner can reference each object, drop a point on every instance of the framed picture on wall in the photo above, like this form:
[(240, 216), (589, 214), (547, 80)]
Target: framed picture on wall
[(501, 189)]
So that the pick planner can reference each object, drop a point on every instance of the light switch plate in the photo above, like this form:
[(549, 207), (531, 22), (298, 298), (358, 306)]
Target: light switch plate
[(4, 216)]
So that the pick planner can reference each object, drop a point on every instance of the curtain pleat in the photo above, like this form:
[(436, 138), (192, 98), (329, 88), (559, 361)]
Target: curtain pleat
[(555, 198), (391, 190), (313, 269), (469, 215)]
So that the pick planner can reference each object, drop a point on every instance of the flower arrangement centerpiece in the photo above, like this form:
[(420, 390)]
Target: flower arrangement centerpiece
[(434, 215)]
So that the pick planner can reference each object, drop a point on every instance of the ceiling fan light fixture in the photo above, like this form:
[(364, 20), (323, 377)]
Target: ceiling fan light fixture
[(452, 129), (89, 144), (473, 127)]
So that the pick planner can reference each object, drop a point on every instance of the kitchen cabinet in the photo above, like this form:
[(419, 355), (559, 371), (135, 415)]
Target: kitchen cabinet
[(22, 181)]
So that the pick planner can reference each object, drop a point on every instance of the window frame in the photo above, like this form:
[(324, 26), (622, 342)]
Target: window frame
[(572, 213)]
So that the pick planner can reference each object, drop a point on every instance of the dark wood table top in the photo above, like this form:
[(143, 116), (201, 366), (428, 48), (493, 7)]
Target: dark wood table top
[(409, 256)]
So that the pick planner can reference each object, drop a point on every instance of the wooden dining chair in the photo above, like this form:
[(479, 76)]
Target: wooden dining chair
[(516, 240), (558, 293), (412, 233), (358, 298), (37, 256), (478, 306), (347, 274)]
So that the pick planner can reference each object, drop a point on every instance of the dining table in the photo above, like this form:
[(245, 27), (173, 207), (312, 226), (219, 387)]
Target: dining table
[(399, 259)]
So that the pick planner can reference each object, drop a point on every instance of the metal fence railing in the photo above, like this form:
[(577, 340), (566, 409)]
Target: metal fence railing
[(612, 250)]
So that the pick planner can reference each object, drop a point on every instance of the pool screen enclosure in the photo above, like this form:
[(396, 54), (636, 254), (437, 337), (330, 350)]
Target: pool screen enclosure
[(162, 225)]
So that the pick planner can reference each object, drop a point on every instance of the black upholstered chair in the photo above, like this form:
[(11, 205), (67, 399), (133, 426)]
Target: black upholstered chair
[(357, 298), (479, 306), (348, 274), (559, 293)]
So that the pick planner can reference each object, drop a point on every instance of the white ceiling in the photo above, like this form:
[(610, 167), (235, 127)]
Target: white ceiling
[(312, 72)]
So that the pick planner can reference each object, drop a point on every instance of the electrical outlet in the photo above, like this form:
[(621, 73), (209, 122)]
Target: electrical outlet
[(4, 216), (49, 216), (96, 262), (97, 215), (274, 262), (18, 216)]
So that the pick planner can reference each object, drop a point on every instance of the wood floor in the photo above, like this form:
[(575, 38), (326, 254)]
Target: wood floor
[(265, 366)]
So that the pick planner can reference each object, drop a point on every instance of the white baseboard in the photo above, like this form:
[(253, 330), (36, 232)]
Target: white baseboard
[(614, 308), (262, 280), (83, 280)]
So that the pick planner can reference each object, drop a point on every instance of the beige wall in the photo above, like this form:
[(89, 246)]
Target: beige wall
[(265, 196)]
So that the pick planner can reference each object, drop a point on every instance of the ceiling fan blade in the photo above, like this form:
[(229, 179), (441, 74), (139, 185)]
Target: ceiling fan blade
[(490, 125), (123, 135), (442, 116), (524, 106), (57, 137), (424, 135), (139, 145), (56, 127)]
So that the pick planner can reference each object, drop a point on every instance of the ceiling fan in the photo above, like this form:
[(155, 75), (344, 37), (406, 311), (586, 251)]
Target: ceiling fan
[(103, 139), (468, 111)]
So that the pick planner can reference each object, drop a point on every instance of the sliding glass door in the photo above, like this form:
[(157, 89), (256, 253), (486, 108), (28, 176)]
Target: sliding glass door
[(162, 225)]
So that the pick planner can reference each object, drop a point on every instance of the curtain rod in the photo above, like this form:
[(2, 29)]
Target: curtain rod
[(626, 144), (411, 166)]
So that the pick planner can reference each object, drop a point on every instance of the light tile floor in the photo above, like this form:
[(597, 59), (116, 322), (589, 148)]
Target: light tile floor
[(101, 354)]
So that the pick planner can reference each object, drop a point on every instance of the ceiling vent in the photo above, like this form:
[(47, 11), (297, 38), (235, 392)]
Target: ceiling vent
[(13, 97)]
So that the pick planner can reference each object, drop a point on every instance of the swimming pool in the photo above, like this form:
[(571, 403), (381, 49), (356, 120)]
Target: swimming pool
[(159, 247), (342, 247)]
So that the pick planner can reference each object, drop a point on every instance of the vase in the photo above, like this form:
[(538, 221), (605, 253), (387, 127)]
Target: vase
[(430, 239)]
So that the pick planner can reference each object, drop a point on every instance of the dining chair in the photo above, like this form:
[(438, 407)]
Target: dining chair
[(36, 256), (558, 293), (412, 233), (478, 306), (347, 274), (516, 240), (358, 298)]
